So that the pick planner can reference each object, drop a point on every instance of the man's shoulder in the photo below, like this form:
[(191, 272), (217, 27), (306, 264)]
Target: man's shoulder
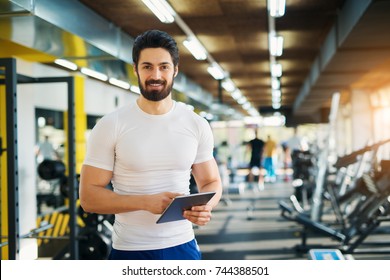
[(111, 118), (258, 140), (184, 110), (125, 109)]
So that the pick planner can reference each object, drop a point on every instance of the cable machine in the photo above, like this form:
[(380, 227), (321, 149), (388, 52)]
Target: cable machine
[(10, 80)]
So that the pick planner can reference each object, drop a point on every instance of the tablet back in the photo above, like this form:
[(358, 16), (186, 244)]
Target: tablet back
[(174, 211)]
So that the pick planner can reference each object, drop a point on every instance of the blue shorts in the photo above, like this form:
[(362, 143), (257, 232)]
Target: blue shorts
[(186, 251)]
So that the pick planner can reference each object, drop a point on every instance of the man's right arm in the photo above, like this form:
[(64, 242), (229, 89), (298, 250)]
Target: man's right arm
[(96, 198)]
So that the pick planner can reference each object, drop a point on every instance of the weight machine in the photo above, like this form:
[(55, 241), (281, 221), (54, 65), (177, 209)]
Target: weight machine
[(369, 207), (10, 80)]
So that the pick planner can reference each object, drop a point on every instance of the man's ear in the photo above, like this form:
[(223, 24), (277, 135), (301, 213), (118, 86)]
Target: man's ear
[(135, 69), (176, 70)]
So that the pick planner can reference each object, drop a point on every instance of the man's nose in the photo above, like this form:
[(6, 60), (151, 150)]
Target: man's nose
[(156, 74)]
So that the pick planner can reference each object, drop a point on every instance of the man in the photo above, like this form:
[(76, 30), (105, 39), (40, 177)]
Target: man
[(46, 150), (255, 147), (148, 151)]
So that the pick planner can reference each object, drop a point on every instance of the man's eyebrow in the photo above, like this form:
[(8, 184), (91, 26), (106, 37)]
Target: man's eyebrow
[(162, 63)]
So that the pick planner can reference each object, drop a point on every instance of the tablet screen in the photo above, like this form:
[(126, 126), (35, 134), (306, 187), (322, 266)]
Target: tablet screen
[(174, 211)]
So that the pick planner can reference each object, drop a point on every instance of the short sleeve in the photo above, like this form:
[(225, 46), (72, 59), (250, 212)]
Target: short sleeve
[(206, 142), (101, 144)]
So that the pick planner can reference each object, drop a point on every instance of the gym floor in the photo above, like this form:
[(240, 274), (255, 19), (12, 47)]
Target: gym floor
[(236, 234)]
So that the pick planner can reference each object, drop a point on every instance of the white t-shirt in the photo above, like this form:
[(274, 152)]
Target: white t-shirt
[(149, 154)]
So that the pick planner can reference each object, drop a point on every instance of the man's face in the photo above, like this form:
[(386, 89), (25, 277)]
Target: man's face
[(155, 72)]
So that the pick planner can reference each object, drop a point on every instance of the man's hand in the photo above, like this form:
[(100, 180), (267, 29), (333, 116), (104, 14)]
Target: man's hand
[(199, 215), (156, 203)]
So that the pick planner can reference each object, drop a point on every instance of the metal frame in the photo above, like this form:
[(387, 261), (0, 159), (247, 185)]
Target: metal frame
[(10, 81)]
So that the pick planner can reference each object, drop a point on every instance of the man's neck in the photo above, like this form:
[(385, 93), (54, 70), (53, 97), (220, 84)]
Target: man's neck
[(155, 107)]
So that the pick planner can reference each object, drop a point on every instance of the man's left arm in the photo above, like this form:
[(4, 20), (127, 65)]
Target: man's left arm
[(207, 179)]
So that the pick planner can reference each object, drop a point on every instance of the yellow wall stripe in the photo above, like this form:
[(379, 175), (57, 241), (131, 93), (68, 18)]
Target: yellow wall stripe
[(3, 173)]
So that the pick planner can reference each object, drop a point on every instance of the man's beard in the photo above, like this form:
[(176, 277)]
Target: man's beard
[(155, 95)]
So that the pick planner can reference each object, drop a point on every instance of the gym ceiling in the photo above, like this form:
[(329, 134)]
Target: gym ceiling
[(329, 45)]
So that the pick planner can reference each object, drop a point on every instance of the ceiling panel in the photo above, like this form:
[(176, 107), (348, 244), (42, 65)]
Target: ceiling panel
[(235, 33)]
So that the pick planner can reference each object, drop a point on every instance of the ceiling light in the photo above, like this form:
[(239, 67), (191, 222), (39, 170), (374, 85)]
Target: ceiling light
[(66, 63), (196, 48), (253, 112), (228, 85), (275, 83), (276, 105), (209, 116), (216, 71), (276, 99), (135, 89), (161, 9), (276, 8), (275, 120), (236, 94), (94, 74), (276, 93), (246, 106), (276, 70), (242, 100), (276, 45), (119, 83)]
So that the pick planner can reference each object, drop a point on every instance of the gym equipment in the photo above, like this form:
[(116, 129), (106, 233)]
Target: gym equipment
[(370, 209), (10, 79), (342, 193), (33, 233), (323, 163), (52, 171), (303, 183), (94, 239), (340, 187)]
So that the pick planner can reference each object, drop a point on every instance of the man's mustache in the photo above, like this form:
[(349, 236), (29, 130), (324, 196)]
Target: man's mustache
[(161, 82)]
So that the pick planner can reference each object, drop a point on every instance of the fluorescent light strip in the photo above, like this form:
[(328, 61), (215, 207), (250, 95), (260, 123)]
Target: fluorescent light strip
[(242, 100), (236, 94), (276, 70), (228, 85), (161, 9), (216, 71), (195, 47), (94, 74), (276, 45), (119, 83), (246, 106), (276, 99), (276, 7), (275, 83), (135, 89), (253, 112), (66, 63), (276, 93), (276, 105)]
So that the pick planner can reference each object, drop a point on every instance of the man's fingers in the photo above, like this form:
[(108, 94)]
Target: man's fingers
[(206, 208)]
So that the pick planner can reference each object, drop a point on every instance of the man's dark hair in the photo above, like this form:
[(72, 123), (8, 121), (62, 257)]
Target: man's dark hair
[(155, 39)]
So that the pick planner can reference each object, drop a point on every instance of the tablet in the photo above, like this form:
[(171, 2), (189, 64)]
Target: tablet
[(174, 211)]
